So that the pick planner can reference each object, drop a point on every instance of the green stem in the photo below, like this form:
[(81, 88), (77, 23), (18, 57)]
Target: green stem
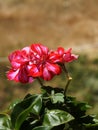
[(65, 70), (69, 78), (67, 84)]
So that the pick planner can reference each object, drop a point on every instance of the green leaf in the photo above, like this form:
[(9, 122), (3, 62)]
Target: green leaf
[(48, 89), (87, 119), (13, 104), (20, 107), (84, 106), (77, 108), (32, 104), (5, 123), (24, 114), (57, 97), (42, 128), (95, 120), (56, 117), (91, 126), (37, 106)]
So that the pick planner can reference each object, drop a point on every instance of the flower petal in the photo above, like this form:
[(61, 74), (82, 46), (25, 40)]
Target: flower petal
[(14, 55), (68, 57), (54, 57), (54, 68), (44, 49), (26, 50), (60, 50), (23, 75), (46, 74), (36, 48), (19, 75), (13, 75), (14, 59), (34, 71)]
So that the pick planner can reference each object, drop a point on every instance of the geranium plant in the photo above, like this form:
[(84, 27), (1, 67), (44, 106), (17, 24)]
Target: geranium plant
[(52, 109)]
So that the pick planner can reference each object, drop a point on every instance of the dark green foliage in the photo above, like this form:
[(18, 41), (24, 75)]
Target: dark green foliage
[(51, 110), (5, 123)]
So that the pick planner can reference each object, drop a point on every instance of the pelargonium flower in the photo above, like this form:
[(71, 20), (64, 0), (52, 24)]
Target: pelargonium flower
[(65, 55), (19, 57), (20, 66), (44, 64), (37, 61), (20, 75)]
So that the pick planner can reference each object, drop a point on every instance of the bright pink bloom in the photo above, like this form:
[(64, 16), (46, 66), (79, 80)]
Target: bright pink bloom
[(20, 75), (65, 55), (20, 66), (37, 61), (44, 62), (19, 57)]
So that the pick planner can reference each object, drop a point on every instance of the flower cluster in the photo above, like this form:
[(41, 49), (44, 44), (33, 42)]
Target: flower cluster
[(37, 61)]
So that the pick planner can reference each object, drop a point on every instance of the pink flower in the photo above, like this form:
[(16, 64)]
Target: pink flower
[(37, 61), (65, 55), (44, 64), (19, 57), (20, 75), (20, 66)]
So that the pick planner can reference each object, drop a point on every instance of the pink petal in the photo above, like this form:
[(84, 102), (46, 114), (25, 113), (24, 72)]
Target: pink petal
[(44, 49), (68, 57), (36, 48), (54, 68), (15, 65), (14, 58), (23, 75), (13, 75), (26, 50), (46, 74), (60, 50), (14, 55), (31, 79), (75, 56), (35, 72), (19, 75), (19, 58), (68, 51), (54, 57)]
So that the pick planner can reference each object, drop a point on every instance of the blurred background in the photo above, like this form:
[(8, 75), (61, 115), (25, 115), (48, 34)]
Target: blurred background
[(66, 23)]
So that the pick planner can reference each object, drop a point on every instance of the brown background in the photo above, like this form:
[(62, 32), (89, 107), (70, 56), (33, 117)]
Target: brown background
[(66, 23)]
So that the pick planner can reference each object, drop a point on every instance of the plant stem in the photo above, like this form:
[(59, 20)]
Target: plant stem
[(65, 70), (67, 84), (69, 78), (40, 82)]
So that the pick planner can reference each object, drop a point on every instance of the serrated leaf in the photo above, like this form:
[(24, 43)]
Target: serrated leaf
[(57, 97), (77, 108), (48, 89), (56, 117)]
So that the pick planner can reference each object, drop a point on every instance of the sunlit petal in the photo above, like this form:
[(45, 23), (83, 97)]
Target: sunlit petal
[(13, 75)]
